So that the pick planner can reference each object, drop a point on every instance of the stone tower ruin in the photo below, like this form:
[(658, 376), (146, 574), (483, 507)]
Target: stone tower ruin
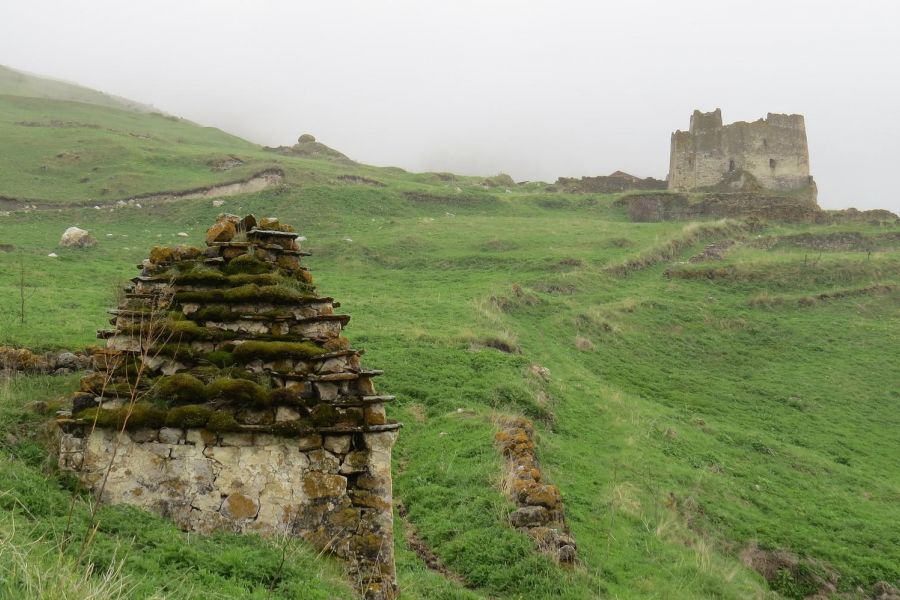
[(226, 398), (767, 154)]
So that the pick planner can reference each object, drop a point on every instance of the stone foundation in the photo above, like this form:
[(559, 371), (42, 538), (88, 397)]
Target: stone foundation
[(334, 490)]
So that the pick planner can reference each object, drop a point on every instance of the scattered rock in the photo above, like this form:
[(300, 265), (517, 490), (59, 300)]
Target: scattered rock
[(75, 237), (566, 554), (182, 234), (221, 231), (218, 203), (885, 591), (67, 360), (539, 371), (714, 251), (529, 516)]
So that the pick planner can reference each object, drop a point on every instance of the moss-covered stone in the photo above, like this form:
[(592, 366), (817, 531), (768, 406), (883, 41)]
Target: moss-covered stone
[(161, 254), (189, 415), (285, 397), (222, 421), (246, 263), (180, 388), (238, 391), (250, 293), (138, 415), (323, 415), (271, 351), (219, 358), (336, 344)]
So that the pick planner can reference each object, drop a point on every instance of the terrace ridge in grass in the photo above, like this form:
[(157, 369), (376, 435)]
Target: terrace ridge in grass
[(225, 360)]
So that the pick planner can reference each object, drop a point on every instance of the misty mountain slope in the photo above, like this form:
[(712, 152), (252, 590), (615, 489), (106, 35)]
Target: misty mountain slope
[(20, 83), (58, 151), (706, 419)]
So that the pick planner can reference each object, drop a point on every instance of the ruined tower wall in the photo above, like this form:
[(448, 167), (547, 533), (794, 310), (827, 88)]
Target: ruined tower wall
[(773, 150)]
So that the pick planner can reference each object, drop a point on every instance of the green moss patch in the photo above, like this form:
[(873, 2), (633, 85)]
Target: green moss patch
[(217, 278), (272, 294), (189, 415), (141, 414), (246, 263), (269, 351), (175, 351), (219, 358), (285, 397), (323, 415), (238, 391), (222, 421), (180, 388)]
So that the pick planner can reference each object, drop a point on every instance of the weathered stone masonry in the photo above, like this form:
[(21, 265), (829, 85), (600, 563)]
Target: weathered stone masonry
[(770, 153), (227, 399)]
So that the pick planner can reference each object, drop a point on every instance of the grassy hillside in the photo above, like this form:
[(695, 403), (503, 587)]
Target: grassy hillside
[(20, 83), (699, 417), (59, 152)]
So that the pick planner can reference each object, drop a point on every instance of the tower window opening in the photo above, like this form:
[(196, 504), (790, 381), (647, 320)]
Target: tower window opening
[(731, 165), (772, 163)]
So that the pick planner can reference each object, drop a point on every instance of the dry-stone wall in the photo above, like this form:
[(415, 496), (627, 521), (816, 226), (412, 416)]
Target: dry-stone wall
[(539, 511), (227, 399)]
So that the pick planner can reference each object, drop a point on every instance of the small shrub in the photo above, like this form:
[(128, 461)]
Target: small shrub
[(239, 391), (190, 415), (180, 388)]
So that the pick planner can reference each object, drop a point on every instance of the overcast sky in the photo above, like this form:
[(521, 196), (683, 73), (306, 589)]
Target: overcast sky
[(533, 88)]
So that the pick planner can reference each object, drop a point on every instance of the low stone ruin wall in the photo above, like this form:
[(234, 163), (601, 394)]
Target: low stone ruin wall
[(540, 509), (23, 360)]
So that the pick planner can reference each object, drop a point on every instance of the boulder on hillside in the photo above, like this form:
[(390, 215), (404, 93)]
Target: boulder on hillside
[(499, 180), (75, 237), (306, 138)]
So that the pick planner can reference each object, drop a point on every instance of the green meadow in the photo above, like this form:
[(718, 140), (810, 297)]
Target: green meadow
[(698, 417)]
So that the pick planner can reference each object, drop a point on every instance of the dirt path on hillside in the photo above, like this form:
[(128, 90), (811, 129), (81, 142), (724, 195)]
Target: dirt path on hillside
[(254, 183)]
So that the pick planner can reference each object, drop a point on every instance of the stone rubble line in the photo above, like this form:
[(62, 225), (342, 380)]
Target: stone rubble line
[(275, 469), (540, 511), (24, 360)]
